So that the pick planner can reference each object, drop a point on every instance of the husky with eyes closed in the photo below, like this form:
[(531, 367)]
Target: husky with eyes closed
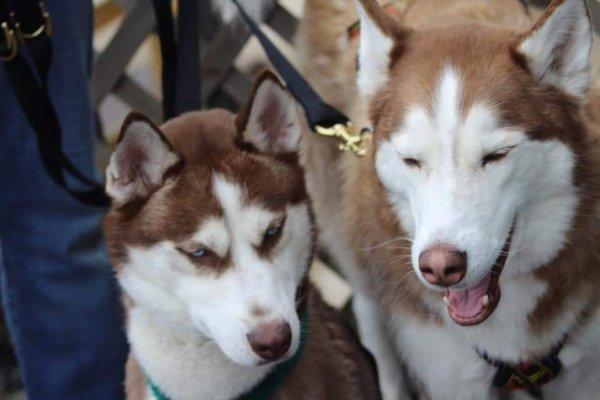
[(471, 229)]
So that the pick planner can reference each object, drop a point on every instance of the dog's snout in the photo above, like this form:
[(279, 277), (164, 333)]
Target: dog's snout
[(443, 265), (272, 340)]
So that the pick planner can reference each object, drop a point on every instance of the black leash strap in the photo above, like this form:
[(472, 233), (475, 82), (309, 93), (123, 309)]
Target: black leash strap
[(323, 118), (180, 52), (26, 28), (168, 50), (187, 84)]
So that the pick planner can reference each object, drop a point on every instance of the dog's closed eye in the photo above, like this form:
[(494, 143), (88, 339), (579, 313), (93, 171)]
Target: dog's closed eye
[(496, 155), (412, 162)]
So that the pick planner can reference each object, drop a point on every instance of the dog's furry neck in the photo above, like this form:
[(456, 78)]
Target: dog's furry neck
[(182, 362)]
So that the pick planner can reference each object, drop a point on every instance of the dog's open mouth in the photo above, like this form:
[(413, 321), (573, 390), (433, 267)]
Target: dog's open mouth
[(472, 306)]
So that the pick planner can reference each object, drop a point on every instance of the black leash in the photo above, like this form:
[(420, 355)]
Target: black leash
[(323, 118), (168, 50), (26, 52), (180, 52)]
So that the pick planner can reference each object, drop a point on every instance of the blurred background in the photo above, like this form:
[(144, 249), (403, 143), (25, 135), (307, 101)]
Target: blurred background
[(127, 73)]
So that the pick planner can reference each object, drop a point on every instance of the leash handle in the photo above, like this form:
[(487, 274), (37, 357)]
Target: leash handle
[(28, 81)]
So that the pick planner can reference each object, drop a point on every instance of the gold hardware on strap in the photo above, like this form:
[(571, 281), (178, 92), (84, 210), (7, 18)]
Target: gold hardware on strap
[(350, 139), (44, 28), (11, 42)]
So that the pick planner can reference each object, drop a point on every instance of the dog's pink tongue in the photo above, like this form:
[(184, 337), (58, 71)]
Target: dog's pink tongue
[(468, 303)]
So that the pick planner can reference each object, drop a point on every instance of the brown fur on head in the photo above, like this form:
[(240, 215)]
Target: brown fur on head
[(495, 64), (194, 146)]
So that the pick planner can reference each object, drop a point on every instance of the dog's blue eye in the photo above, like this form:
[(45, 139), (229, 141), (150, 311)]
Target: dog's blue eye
[(273, 230), (199, 253), (272, 234)]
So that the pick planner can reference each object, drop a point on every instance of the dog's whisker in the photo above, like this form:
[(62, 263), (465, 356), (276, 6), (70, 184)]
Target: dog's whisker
[(406, 276), (402, 258), (387, 242)]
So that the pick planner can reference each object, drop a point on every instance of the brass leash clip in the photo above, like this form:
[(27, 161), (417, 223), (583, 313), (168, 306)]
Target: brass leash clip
[(349, 139), (12, 47)]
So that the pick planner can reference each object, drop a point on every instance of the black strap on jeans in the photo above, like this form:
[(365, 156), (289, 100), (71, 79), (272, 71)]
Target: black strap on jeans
[(26, 52), (180, 51)]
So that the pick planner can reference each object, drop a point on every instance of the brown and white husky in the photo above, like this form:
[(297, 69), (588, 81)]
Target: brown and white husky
[(211, 234), (471, 229)]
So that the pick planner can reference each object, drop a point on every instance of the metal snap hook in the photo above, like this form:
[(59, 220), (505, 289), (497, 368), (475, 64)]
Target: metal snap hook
[(11, 42)]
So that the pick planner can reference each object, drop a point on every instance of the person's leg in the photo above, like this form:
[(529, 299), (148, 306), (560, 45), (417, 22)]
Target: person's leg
[(59, 295)]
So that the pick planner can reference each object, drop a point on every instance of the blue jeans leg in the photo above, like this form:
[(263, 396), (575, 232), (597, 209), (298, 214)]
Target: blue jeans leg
[(58, 290)]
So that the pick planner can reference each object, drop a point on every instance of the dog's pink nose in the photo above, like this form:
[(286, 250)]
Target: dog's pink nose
[(443, 265), (271, 340)]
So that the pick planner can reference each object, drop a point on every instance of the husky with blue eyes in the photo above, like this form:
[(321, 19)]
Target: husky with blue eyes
[(211, 234), (471, 229)]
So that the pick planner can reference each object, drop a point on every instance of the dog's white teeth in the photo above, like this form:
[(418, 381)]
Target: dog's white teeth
[(446, 300), (485, 300)]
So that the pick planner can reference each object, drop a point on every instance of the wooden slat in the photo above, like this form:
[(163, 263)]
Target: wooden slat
[(237, 86), (138, 23), (219, 58), (105, 13), (282, 22), (138, 98)]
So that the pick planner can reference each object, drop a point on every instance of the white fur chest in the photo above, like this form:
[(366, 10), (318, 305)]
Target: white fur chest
[(183, 364)]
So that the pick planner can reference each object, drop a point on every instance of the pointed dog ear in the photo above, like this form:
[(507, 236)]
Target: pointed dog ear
[(557, 49), (138, 165), (380, 34), (270, 121)]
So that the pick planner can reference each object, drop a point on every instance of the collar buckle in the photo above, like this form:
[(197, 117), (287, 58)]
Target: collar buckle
[(350, 140)]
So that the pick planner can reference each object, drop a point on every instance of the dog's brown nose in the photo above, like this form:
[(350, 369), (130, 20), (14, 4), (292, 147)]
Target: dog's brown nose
[(443, 265), (271, 340)]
